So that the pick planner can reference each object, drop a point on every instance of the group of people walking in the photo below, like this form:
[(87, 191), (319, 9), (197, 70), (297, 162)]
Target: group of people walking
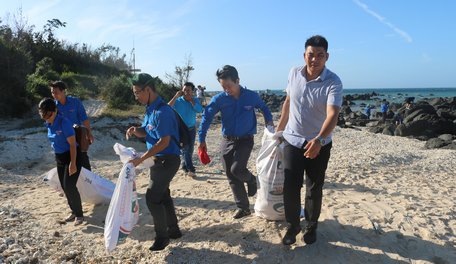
[(309, 115)]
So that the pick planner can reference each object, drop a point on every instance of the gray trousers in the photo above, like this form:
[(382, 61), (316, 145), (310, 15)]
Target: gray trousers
[(158, 197), (235, 156)]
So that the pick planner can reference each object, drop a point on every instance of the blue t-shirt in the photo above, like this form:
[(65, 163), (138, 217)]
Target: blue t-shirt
[(384, 107), (188, 111), (58, 132), (73, 109), (160, 121), (238, 115)]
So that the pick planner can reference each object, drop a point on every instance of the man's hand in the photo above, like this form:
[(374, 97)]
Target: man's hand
[(72, 169), (135, 162), (312, 149), (91, 138), (179, 93), (130, 132), (202, 146)]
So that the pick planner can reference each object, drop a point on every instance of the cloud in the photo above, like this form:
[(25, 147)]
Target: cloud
[(384, 21)]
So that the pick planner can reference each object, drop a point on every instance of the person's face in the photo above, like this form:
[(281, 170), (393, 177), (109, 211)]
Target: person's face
[(57, 93), (315, 58), (141, 94), (229, 86), (188, 92), (46, 115)]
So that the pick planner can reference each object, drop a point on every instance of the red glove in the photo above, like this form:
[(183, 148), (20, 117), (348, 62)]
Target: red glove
[(204, 158)]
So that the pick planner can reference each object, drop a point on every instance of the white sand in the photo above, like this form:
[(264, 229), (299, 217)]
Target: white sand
[(406, 192)]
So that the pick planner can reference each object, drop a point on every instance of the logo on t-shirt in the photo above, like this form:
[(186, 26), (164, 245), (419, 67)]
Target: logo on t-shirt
[(150, 127), (58, 132), (248, 107)]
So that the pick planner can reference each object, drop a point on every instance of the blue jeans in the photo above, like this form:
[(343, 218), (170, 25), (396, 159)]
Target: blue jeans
[(187, 153)]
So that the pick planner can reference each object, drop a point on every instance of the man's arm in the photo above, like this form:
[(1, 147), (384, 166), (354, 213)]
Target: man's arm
[(313, 146), (139, 132), (86, 124), (161, 144), (173, 100), (208, 114), (265, 110), (284, 116)]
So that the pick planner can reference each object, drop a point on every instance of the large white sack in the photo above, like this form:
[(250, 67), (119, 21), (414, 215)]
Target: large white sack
[(123, 210), (92, 187), (269, 200)]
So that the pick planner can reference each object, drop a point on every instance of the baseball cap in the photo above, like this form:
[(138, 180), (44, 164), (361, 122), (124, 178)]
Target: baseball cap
[(142, 79)]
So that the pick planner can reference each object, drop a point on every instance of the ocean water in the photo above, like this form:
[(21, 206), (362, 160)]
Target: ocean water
[(392, 95)]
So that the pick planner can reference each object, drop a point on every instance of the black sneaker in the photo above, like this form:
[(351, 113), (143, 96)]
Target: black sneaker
[(159, 244), (290, 235), (310, 235), (174, 233), (252, 186), (241, 213)]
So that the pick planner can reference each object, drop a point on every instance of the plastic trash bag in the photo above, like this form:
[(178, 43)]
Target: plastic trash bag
[(123, 212), (269, 200), (92, 187)]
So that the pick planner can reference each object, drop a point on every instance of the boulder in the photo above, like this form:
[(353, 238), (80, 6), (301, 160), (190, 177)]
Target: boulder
[(446, 137), (435, 143)]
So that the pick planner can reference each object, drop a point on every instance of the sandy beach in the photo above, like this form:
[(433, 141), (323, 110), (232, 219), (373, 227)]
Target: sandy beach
[(386, 200)]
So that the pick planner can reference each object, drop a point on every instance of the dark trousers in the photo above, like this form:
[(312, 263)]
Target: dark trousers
[(158, 197), (187, 153), (68, 182), (235, 155), (85, 161), (295, 164)]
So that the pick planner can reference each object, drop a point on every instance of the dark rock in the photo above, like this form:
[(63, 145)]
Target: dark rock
[(446, 137), (450, 146), (389, 130), (375, 129), (414, 128), (435, 143)]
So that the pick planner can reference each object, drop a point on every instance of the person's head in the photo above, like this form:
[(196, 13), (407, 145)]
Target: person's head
[(188, 89), (143, 88), (58, 90), (228, 78), (316, 53), (47, 109)]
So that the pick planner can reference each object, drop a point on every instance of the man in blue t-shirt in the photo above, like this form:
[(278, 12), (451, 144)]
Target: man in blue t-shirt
[(160, 128), (73, 109), (187, 106), (237, 106), (384, 109), (62, 137)]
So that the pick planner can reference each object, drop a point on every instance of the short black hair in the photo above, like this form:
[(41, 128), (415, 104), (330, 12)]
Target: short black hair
[(317, 41), (190, 84), (58, 84), (47, 105), (227, 72)]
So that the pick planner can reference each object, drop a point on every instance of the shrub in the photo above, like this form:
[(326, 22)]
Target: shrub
[(116, 92)]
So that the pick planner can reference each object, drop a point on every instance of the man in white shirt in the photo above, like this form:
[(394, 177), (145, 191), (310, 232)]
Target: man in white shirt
[(309, 115)]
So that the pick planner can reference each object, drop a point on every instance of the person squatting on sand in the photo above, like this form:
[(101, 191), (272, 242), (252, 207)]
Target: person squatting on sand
[(160, 128), (309, 115), (72, 108), (67, 156), (237, 106), (187, 106)]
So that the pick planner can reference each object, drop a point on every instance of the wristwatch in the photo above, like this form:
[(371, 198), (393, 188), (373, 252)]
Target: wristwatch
[(321, 140)]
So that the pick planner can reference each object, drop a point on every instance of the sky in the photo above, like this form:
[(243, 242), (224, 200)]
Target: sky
[(372, 43)]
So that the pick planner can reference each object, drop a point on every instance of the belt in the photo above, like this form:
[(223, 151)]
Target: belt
[(233, 138)]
